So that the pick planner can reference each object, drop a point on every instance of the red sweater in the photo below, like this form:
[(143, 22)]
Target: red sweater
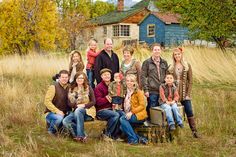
[(91, 56), (100, 92)]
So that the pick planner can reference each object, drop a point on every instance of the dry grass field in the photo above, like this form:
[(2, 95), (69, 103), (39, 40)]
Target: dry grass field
[(24, 81)]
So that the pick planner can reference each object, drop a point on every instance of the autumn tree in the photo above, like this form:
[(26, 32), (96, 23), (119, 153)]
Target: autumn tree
[(27, 25), (206, 19), (100, 8)]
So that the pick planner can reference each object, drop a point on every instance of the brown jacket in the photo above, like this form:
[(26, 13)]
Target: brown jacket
[(138, 106), (149, 75), (185, 83), (112, 89)]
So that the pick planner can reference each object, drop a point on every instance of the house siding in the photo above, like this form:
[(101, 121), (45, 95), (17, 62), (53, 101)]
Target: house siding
[(168, 34), (159, 30), (175, 34)]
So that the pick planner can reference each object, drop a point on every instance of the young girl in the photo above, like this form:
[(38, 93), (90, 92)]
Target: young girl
[(92, 53), (76, 64), (117, 91)]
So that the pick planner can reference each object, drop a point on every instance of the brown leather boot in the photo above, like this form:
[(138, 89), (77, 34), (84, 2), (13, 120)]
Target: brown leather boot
[(192, 125)]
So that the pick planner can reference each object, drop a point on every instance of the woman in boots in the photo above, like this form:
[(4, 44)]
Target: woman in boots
[(182, 72)]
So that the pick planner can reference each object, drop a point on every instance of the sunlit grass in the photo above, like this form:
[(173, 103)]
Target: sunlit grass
[(24, 81)]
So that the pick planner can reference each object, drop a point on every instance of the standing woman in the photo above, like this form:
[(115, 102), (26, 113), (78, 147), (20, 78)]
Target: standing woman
[(130, 65), (81, 97), (135, 111), (75, 64), (182, 72)]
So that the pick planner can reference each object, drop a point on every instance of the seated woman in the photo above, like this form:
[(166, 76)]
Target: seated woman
[(81, 97), (135, 110)]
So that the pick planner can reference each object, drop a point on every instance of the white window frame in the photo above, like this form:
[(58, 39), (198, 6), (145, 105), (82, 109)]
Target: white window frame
[(121, 30), (105, 30)]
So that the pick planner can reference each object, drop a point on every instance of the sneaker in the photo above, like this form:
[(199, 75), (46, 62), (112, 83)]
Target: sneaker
[(172, 127), (84, 139), (133, 143), (181, 126), (146, 123), (106, 138), (119, 140), (81, 139), (143, 140)]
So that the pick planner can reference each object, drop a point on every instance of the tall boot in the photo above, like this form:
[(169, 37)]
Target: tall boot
[(192, 125)]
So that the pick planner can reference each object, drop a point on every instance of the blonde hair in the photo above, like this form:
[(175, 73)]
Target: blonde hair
[(133, 78), (90, 42), (182, 61)]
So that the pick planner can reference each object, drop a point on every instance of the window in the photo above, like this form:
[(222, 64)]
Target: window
[(105, 31), (151, 30), (121, 30)]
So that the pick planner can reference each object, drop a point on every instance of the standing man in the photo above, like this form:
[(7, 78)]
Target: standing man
[(106, 59), (56, 100), (152, 76), (104, 106)]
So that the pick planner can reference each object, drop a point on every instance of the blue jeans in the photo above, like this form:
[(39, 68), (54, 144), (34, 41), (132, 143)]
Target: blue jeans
[(126, 127), (91, 79), (169, 116), (187, 107), (54, 121), (117, 100), (152, 102), (112, 118), (74, 122)]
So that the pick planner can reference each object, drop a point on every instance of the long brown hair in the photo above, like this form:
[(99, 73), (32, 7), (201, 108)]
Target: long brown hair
[(182, 61), (74, 83), (80, 65)]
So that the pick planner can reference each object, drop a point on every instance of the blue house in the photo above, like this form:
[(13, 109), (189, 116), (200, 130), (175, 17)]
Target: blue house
[(163, 28)]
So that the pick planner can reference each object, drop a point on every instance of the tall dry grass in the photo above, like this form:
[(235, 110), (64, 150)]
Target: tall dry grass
[(208, 64)]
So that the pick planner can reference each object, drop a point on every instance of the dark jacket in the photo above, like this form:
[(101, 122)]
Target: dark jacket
[(149, 75), (103, 60), (60, 99), (100, 92)]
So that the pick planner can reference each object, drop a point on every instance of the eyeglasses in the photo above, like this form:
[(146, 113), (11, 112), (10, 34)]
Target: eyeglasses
[(79, 78)]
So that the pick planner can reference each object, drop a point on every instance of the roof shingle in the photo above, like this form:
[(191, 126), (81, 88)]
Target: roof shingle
[(167, 18)]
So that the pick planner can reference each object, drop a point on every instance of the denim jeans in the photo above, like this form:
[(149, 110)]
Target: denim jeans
[(187, 107), (170, 112), (91, 78), (152, 102), (74, 122), (126, 127), (117, 100), (54, 121), (112, 118)]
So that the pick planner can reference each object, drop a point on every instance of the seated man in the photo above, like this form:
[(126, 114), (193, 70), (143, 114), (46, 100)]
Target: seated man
[(104, 106), (56, 100), (168, 100)]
